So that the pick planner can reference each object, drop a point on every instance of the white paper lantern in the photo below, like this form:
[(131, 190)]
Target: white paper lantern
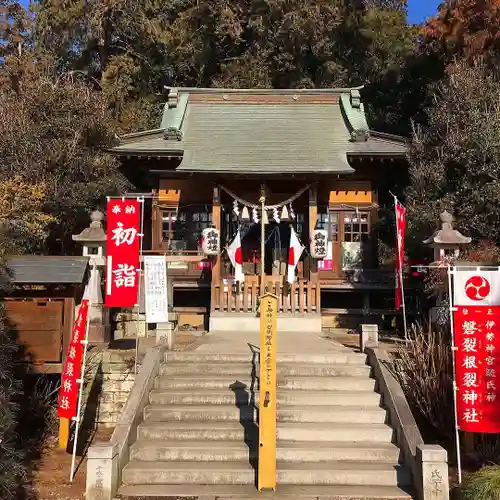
[(210, 241), (319, 244)]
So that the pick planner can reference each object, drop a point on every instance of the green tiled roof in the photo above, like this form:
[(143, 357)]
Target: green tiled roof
[(259, 131)]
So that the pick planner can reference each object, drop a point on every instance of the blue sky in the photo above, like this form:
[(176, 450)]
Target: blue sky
[(418, 10)]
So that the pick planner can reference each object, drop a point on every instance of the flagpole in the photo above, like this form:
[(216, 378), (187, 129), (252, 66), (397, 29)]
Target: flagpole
[(141, 284), (453, 350), (399, 275), (82, 378)]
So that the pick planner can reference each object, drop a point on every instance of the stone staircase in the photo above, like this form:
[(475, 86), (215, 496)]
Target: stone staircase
[(200, 432)]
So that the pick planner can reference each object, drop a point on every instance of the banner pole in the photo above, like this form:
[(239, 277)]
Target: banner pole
[(82, 379), (139, 295), (453, 350), (399, 275)]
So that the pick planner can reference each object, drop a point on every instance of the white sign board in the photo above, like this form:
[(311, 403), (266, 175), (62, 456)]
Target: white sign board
[(476, 288), (155, 288)]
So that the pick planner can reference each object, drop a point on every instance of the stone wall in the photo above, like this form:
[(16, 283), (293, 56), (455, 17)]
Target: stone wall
[(109, 380)]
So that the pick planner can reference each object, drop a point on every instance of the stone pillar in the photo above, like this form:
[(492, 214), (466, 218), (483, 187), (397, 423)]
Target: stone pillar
[(434, 483), (93, 239), (102, 472)]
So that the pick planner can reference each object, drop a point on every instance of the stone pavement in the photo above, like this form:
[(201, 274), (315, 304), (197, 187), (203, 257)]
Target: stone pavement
[(287, 343)]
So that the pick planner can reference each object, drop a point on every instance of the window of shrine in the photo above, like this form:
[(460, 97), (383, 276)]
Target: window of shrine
[(356, 226), (182, 229)]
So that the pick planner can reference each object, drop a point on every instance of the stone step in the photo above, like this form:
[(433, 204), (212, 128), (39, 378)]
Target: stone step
[(241, 492), (230, 431), (343, 356), (287, 451), (330, 473), (206, 413), (290, 369), (285, 397), (245, 382)]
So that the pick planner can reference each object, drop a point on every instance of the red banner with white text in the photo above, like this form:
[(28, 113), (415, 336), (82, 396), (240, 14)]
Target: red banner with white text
[(68, 394), (400, 252), (122, 252), (477, 356)]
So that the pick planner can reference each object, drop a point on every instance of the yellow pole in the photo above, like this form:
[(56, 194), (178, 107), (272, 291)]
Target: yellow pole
[(267, 404), (63, 433)]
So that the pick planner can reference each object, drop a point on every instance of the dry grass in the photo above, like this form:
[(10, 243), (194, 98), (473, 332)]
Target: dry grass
[(424, 370)]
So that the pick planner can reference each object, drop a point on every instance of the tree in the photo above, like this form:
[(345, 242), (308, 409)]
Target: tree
[(455, 160), (467, 28), (134, 48), (54, 131)]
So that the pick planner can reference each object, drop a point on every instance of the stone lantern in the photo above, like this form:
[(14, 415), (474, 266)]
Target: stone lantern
[(447, 241), (93, 239)]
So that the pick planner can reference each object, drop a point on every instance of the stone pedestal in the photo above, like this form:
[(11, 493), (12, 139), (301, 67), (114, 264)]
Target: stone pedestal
[(165, 335), (434, 477), (368, 337), (102, 472)]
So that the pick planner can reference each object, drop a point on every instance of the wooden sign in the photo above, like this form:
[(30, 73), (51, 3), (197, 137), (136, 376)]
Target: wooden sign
[(267, 405)]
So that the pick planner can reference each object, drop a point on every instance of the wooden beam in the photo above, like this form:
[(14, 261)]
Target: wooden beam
[(217, 223), (313, 217)]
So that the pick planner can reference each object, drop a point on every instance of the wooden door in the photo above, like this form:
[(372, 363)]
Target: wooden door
[(38, 325)]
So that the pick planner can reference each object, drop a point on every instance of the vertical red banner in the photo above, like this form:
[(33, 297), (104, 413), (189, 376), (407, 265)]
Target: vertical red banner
[(400, 252), (477, 357), (122, 252), (68, 394)]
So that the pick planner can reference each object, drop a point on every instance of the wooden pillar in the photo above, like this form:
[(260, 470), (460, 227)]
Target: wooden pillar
[(217, 223), (156, 222), (313, 217)]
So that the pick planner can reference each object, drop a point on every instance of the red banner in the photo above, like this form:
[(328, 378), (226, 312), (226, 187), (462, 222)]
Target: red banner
[(122, 250), (477, 356), (400, 252), (68, 394)]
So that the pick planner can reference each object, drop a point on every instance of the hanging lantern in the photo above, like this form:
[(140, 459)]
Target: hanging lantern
[(210, 241), (245, 216), (236, 209), (319, 244), (284, 213), (255, 216), (276, 215), (265, 219)]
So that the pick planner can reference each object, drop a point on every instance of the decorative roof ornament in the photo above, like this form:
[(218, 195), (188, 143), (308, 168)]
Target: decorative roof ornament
[(172, 134), (172, 97), (447, 235)]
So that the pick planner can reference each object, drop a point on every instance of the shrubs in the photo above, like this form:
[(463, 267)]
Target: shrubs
[(12, 471), (425, 372), (482, 485)]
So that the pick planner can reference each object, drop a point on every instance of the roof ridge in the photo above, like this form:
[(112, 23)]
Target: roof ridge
[(257, 91)]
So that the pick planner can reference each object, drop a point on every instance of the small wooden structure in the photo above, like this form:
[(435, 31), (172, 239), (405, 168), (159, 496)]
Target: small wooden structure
[(315, 155), (40, 307)]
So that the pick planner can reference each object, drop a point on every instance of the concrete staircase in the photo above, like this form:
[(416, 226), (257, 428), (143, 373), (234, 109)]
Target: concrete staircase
[(200, 432)]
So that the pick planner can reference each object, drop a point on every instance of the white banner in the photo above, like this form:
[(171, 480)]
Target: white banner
[(155, 288), (476, 288)]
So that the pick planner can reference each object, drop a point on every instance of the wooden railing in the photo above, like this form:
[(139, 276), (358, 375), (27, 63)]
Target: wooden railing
[(303, 297)]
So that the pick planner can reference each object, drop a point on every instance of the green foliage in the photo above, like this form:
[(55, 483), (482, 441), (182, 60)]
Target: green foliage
[(53, 134), (12, 471), (133, 48), (482, 485), (455, 160)]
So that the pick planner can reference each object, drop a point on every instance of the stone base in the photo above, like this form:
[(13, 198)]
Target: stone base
[(244, 322)]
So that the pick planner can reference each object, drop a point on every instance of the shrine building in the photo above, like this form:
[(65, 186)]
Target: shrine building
[(325, 177)]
